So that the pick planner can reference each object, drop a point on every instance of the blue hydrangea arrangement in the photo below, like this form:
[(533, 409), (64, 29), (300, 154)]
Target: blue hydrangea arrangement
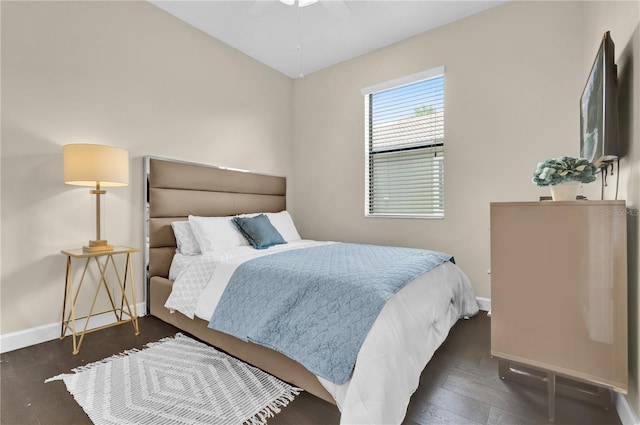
[(564, 169)]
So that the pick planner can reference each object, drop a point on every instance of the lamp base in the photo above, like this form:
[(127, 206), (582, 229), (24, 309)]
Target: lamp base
[(97, 246)]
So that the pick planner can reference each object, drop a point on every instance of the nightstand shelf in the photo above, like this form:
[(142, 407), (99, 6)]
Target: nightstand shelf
[(124, 311)]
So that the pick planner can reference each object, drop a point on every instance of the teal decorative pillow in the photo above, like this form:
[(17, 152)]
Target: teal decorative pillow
[(259, 231)]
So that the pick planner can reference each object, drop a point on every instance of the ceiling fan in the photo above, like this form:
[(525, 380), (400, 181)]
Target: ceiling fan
[(338, 8), (301, 3)]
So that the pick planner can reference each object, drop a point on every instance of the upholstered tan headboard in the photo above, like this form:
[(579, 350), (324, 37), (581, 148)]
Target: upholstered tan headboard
[(175, 189)]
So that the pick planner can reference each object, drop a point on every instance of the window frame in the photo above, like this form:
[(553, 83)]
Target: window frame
[(389, 85)]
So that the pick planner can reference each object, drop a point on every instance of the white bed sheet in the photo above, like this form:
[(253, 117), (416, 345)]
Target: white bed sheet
[(409, 329)]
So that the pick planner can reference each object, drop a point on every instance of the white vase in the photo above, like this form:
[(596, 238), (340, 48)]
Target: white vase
[(564, 191)]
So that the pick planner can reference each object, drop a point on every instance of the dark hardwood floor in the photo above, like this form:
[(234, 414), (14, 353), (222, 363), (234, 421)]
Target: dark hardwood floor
[(459, 386)]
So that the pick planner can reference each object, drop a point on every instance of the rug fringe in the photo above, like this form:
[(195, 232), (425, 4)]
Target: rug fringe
[(165, 339), (56, 378), (125, 353), (273, 408)]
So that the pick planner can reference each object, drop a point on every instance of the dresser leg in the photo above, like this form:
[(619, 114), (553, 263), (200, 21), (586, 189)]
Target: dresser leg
[(551, 389), (503, 369)]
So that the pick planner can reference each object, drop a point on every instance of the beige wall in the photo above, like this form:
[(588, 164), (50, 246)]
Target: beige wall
[(125, 74), (514, 76), (623, 20), (511, 91)]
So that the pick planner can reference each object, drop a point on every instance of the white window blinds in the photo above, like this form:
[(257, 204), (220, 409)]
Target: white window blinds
[(405, 146)]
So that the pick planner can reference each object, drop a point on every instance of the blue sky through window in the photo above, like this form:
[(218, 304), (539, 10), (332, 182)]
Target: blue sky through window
[(402, 102)]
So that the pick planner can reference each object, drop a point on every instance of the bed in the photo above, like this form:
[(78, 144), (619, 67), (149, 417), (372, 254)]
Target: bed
[(176, 190)]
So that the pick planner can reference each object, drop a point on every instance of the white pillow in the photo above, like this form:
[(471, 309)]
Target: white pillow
[(283, 223), (185, 239), (216, 233)]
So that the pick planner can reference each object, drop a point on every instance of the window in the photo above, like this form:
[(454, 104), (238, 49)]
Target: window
[(405, 146)]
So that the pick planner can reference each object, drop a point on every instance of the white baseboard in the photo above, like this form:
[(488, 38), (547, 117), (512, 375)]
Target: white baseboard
[(484, 303), (625, 412), (25, 338)]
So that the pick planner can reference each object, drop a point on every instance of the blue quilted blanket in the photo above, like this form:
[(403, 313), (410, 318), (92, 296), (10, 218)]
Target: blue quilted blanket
[(317, 304)]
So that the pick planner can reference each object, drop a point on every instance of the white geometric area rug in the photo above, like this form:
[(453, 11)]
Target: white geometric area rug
[(176, 380)]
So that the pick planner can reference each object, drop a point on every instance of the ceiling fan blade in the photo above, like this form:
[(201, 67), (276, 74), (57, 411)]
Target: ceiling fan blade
[(260, 7), (338, 8)]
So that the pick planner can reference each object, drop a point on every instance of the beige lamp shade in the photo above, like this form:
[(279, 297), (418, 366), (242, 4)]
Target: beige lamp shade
[(88, 165)]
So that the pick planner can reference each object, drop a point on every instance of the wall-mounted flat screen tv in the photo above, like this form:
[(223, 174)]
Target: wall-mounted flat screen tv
[(598, 108)]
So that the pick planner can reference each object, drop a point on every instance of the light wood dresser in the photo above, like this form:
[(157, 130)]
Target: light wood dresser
[(559, 294)]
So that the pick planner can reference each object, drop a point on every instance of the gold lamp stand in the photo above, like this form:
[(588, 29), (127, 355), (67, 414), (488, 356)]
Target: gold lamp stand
[(98, 245)]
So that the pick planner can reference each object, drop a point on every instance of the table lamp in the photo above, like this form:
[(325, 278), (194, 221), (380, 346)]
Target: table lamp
[(96, 166)]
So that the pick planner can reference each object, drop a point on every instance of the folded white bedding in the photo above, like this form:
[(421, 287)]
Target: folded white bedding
[(411, 326)]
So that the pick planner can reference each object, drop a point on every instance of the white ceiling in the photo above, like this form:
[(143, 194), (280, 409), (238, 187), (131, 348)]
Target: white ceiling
[(270, 31)]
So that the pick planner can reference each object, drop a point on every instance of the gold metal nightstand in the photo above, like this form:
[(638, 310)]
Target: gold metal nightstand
[(71, 293)]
